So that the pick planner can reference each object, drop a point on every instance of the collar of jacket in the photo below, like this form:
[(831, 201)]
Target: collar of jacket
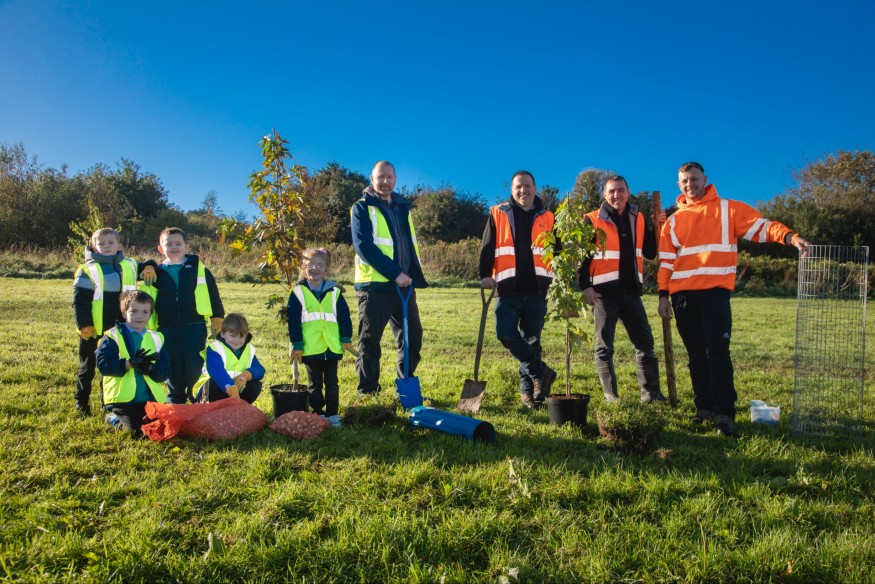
[(605, 211), (537, 206), (710, 195), (371, 197)]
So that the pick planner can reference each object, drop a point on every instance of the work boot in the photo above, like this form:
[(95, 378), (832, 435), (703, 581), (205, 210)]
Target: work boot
[(611, 397), (83, 409), (701, 417), (725, 426), (543, 383), (647, 397), (526, 400)]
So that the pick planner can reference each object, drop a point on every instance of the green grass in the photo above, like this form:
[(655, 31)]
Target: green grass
[(363, 504)]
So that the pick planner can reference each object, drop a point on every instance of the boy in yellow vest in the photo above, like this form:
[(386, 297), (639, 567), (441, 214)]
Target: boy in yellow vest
[(319, 328), (231, 368), (134, 363), (97, 287), (186, 301)]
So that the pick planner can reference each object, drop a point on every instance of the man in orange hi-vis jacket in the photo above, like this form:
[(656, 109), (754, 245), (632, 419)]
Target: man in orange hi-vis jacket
[(698, 256)]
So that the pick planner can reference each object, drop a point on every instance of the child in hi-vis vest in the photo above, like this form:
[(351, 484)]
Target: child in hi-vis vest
[(231, 368), (134, 363), (319, 329), (97, 288)]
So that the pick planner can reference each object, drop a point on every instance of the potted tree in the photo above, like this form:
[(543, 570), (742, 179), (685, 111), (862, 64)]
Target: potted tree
[(570, 243), (278, 192)]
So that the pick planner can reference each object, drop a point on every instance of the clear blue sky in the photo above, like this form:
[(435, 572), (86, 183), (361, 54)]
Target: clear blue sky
[(458, 92)]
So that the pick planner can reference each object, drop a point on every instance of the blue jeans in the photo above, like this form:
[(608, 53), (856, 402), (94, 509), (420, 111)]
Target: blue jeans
[(519, 320)]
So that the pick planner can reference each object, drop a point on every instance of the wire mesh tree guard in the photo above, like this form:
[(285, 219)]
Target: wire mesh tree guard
[(828, 387)]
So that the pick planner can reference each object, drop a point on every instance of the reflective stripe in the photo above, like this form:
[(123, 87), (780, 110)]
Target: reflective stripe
[(537, 250), (639, 253), (539, 271), (669, 267), (751, 233), (704, 271), (724, 220), (764, 233), (711, 247), (372, 211), (96, 276), (606, 277), (311, 316), (505, 274), (674, 237), (664, 255), (503, 251), (129, 275), (606, 255), (202, 281)]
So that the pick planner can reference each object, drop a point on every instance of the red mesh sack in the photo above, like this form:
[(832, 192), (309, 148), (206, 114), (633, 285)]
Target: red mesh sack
[(168, 420), (300, 425)]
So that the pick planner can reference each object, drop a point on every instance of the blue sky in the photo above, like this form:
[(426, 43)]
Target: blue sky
[(459, 92)]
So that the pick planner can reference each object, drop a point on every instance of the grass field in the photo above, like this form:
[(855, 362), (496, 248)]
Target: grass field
[(362, 504)]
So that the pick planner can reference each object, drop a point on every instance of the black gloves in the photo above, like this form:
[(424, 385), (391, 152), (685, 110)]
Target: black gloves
[(144, 363)]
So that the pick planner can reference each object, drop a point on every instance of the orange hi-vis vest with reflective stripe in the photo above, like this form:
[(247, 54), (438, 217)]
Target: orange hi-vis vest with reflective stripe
[(605, 264), (504, 266), (698, 246)]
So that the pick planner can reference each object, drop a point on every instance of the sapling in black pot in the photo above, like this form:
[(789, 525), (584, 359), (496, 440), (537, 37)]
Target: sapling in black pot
[(570, 243)]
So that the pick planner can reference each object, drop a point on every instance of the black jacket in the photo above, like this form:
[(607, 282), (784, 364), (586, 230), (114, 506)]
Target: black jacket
[(178, 307)]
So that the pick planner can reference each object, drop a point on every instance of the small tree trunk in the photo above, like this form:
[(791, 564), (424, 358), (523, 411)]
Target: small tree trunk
[(567, 363)]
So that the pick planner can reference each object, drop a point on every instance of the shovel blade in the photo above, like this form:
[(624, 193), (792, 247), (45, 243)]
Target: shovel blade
[(472, 396), (409, 392)]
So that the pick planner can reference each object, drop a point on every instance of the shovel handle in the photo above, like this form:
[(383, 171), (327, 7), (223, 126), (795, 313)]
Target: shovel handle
[(404, 300), (485, 301), (296, 375)]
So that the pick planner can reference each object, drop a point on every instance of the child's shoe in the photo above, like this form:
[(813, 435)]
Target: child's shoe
[(113, 421), (335, 421), (83, 409)]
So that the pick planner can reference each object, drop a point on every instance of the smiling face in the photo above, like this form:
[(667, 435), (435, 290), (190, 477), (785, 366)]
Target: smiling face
[(692, 183), (617, 194), (137, 315), (383, 179), (234, 339), (523, 191), (173, 247)]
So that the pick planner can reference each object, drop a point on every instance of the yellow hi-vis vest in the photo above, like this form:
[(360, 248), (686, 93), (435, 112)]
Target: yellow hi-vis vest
[(319, 321), (120, 390), (152, 291), (202, 293), (364, 272), (234, 365), (95, 274)]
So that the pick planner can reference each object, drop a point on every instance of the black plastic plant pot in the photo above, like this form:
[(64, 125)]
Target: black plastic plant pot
[(568, 410), (287, 398)]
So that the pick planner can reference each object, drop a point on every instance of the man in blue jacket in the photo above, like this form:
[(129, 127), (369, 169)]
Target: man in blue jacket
[(387, 258)]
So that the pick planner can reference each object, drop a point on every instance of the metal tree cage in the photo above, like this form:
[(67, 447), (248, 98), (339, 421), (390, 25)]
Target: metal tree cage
[(828, 387)]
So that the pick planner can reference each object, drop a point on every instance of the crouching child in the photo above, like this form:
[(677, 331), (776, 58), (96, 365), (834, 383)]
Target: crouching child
[(134, 364), (231, 368)]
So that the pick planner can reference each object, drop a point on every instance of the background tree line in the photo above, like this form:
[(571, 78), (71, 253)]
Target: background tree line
[(829, 201)]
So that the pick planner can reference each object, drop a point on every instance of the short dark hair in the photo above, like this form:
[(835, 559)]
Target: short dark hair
[(236, 323), (686, 166), (383, 163), (132, 296), (172, 231), (615, 178), (524, 173)]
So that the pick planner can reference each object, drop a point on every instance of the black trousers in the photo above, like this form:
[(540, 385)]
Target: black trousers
[(211, 392), (87, 366), (704, 321), (184, 346), (323, 374), (376, 309)]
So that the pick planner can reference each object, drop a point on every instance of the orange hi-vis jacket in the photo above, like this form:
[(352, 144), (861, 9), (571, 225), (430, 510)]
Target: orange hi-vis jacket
[(605, 264), (698, 246), (504, 266)]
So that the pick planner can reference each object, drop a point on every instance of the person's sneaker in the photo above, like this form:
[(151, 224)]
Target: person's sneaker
[(701, 417), (543, 383), (725, 426), (83, 409), (335, 421), (527, 400), (652, 396), (611, 397), (113, 421)]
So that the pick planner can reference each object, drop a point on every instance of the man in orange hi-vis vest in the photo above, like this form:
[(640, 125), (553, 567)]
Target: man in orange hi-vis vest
[(612, 283), (511, 262), (697, 260)]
